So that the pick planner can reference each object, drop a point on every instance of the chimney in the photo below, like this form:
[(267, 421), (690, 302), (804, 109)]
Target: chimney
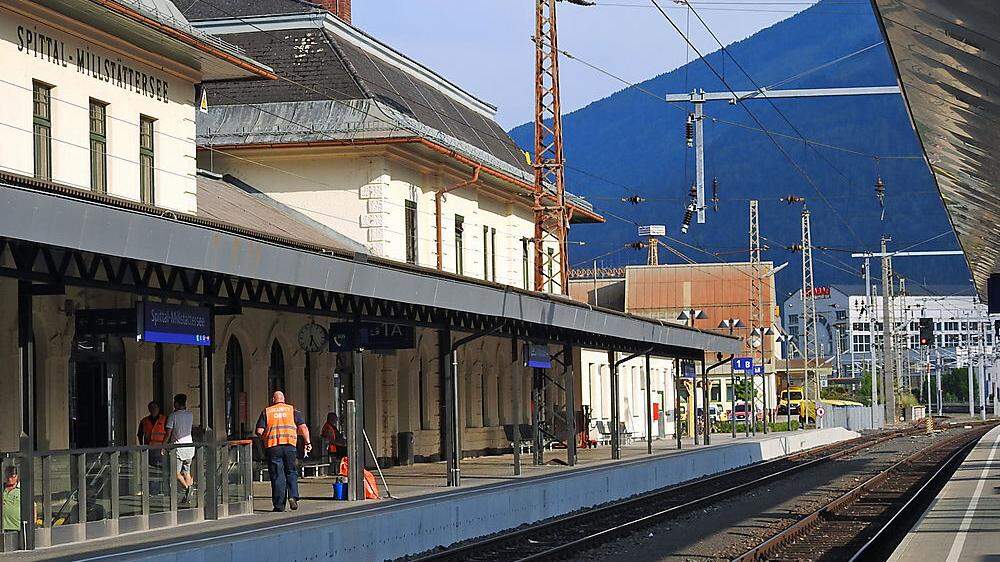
[(339, 8)]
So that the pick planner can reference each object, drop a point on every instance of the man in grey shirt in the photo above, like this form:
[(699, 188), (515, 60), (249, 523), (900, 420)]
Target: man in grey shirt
[(179, 425)]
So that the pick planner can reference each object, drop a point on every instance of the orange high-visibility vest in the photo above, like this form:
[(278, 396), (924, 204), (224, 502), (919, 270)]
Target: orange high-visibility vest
[(330, 432), (280, 429), (371, 485), (156, 431)]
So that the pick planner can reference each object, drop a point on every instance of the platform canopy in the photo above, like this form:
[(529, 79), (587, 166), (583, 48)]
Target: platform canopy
[(947, 56), (60, 234)]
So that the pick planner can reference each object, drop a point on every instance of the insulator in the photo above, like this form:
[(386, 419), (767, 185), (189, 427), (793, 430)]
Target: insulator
[(634, 199), (688, 215), (880, 191), (715, 194), (795, 248), (792, 199), (689, 130), (693, 192), (635, 245)]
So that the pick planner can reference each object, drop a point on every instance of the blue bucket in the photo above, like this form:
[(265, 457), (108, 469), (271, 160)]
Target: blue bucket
[(339, 490)]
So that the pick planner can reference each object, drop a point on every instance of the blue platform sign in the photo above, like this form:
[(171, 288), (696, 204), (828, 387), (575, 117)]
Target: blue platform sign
[(742, 363), (351, 336), (160, 322), (758, 369), (687, 370), (537, 355)]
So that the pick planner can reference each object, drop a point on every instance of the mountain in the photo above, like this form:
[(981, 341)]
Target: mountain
[(631, 143)]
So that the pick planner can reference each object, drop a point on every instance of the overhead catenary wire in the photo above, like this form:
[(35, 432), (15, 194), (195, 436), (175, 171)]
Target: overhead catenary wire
[(780, 148), (760, 129)]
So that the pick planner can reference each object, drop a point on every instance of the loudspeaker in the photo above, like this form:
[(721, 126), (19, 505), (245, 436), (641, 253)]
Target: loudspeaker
[(993, 293)]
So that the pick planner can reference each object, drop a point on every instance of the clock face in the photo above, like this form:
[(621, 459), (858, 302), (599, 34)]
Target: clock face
[(312, 337)]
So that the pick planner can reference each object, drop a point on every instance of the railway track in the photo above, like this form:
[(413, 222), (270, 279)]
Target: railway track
[(866, 522), (563, 536)]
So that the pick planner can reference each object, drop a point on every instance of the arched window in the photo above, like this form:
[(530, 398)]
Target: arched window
[(234, 388), (276, 372), (159, 378)]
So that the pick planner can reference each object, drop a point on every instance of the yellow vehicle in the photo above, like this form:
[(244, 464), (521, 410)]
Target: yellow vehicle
[(805, 409), (792, 398)]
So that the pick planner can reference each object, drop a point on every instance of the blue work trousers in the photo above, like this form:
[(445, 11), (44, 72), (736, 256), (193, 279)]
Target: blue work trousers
[(284, 475)]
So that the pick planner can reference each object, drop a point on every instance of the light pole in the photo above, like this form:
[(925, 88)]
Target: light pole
[(760, 333), (688, 316), (731, 324), (787, 340)]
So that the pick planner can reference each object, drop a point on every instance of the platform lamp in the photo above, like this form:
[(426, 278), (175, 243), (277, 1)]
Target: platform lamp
[(731, 324), (787, 339), (690, 315)]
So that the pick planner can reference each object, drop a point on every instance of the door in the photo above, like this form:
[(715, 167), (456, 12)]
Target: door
[(97, 394)]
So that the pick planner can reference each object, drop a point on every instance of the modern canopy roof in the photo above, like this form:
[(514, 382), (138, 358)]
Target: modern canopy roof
[(946, 54)]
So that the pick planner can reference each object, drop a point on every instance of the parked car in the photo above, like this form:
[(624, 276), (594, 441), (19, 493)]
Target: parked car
[(740, 413)]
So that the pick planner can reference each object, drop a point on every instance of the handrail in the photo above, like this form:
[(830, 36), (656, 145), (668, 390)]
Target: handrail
[(125, 449)]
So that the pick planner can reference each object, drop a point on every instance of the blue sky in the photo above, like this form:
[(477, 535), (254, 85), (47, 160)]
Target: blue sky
[(485, 47)]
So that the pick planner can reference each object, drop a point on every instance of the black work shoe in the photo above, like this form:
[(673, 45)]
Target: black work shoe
[(278, 509), (293, 503)]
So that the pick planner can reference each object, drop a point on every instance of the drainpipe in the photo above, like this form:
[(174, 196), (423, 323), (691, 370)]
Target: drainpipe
[(437, 210)]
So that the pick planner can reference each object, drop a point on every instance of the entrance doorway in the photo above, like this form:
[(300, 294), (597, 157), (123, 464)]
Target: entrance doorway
[(97, 393)]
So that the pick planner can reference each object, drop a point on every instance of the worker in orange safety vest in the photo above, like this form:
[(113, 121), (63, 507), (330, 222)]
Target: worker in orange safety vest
[(278, 427), (153, 431)]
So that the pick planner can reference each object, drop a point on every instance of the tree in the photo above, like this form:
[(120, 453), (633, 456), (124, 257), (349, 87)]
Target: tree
[(745, 390)]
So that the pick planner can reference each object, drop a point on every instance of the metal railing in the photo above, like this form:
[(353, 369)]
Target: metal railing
[(83, 494)]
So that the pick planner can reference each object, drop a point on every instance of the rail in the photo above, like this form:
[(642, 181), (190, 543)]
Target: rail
[(905, 474), (563, 536), (84, 494)]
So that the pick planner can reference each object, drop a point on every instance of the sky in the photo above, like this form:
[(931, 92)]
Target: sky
[(485, 45)]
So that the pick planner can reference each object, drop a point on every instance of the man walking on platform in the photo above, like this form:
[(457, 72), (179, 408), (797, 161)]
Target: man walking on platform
[(278, 427)]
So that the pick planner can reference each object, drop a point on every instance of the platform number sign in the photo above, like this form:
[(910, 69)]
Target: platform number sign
[(743, 364)]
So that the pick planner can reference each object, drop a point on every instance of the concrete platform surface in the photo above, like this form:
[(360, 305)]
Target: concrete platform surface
[(963, 521), (424, 513)]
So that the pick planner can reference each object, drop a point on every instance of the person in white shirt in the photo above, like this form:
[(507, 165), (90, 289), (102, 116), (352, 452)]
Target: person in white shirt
[(179, 425)]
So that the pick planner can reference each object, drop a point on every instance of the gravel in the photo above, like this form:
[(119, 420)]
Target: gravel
[(736, 524)]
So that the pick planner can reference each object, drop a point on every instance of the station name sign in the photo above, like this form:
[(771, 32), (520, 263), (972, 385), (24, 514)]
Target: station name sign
[(173, 323), (40, 45), (351, 336)]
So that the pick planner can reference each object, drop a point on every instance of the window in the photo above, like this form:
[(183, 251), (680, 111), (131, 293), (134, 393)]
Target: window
[(486, 252), (793, 319), (147, 162), (951, 340), (410, 228), (549, 266), (937, 326), (860, 327), (525, 266), (459, 244), (878, 326), (965, 326), (861, 343), (276, 371), (42, 129), (841, 315), (914, 326), (493, 254), (98, 146), (951, 326)]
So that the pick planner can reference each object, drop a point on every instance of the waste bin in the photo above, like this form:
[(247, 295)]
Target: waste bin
[(405, 448)]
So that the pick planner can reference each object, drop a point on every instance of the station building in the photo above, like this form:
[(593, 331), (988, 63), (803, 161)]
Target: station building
[(157, 240)]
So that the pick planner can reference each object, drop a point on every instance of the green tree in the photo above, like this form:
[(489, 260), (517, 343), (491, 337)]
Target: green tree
[(745, 390)]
